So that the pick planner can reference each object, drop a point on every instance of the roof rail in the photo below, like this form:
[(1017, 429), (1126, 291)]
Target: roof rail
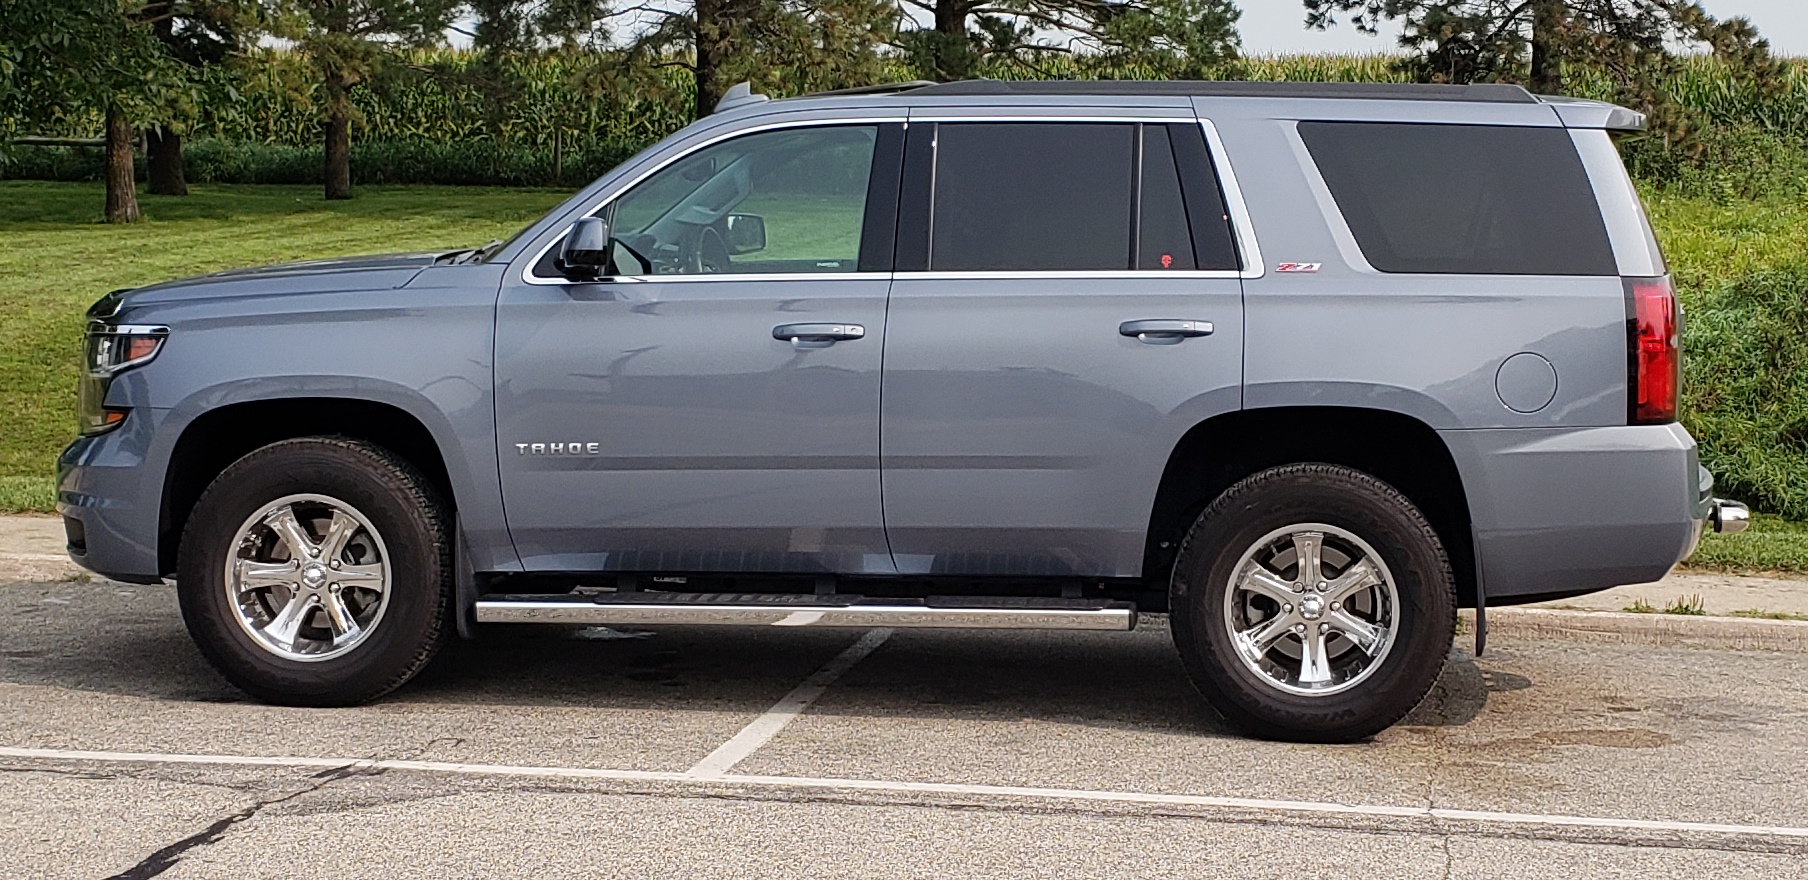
[(1491, 93), (877, 88), (739, 94)]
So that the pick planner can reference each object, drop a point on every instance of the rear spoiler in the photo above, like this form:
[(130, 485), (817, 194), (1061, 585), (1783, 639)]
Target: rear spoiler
[(1584, 113)]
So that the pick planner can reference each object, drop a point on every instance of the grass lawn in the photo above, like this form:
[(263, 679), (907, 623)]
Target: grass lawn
[(57, 258)]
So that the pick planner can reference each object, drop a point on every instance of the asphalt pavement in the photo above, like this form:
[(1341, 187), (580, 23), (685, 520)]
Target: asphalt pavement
[(800, 753)]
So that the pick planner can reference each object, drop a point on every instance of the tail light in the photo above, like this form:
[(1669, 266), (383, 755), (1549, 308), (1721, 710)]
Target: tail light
[(1654, 356)]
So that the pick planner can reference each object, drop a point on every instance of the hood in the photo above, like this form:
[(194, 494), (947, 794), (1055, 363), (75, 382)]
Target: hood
[(308, 276)]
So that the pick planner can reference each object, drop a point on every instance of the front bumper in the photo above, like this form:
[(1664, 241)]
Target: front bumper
[(109, 506)]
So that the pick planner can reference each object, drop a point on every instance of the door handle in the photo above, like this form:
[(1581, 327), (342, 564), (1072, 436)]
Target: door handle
[(1163, 331), (817, 335)]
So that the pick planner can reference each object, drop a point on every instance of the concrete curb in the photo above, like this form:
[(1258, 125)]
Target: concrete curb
[(1659, 630)]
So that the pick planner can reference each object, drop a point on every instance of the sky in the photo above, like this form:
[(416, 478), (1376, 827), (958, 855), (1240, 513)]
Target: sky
[(1278, 26)]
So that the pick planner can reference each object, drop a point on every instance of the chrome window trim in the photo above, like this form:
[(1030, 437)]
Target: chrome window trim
[(527, 270), (1248, 249), (1055, 274)]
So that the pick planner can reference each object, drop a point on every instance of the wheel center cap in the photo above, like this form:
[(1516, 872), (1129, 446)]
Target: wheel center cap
[(1311, 607), (314, 575)]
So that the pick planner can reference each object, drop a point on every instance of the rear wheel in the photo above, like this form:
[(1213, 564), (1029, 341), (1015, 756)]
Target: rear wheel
[(1313, 602), (316, 572)]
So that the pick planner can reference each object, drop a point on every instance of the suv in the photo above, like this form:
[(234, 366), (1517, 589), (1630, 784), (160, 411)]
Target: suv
[(1305, 366)]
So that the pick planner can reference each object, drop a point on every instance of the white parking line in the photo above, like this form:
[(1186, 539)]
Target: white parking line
[(767, 726), (1245, 805)]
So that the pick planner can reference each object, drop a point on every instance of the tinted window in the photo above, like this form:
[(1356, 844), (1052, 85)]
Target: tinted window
[(1029, 196), (1465, 199), (1163, 240)]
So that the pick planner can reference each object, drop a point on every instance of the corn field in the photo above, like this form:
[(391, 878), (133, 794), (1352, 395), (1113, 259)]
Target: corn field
[(431, 97)]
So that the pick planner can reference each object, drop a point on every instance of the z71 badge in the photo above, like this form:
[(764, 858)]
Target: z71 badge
[(1297, 267)]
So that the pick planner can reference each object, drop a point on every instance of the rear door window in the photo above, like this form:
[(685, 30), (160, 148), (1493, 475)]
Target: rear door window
[(1031, 196), (1463, 199)]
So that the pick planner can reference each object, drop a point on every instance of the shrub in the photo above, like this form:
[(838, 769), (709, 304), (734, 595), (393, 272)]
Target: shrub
[(1746, 387)]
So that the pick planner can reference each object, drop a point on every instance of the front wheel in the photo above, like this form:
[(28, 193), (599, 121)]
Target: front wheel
[(1313, 602), (316, 572)]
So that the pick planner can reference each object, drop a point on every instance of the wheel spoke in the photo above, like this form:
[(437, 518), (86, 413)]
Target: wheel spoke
[(338, 534), (345, 625), (1258, 579), (294, 537), (1255, 641), (366, 577), (1314, 669), (1359, 576), (1308, 545), (252, 575), (1365, 635), (282, 628)]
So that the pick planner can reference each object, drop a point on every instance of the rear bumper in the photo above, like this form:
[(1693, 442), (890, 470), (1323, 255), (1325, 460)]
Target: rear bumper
[(1567, 511)]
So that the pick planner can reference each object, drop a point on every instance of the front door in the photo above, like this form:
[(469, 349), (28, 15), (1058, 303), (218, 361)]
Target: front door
[(1074, 306), (713, 404)]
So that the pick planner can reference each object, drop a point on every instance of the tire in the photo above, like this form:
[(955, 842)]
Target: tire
[(1379, 647), (346, 625)]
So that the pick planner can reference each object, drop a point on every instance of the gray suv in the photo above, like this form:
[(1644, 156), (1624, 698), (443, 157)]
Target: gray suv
[(1306, 367)]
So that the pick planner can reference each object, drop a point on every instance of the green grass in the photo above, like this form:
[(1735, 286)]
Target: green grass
[(1771, 544), (1759, 614), (56, 257)]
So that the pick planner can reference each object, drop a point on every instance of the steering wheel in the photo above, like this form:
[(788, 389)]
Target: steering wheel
[(712, 252)]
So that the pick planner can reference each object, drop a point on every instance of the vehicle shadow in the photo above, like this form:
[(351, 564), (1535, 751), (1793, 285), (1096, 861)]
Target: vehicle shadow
[(105, 641)]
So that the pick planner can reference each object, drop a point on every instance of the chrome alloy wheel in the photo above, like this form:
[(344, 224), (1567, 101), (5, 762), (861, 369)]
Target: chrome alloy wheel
[(309, 577), (1312, 609)]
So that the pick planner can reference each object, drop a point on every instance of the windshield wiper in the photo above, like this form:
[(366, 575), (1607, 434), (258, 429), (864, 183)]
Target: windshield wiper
[(467, 255)]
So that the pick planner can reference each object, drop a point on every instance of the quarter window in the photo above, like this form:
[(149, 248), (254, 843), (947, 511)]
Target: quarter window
[(1463, 199)]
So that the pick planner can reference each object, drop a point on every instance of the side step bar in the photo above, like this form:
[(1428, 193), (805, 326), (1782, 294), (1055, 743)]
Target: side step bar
[(693, 609)]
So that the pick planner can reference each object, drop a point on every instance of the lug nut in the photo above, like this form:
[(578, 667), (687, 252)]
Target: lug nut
[(1334, 606), (1299, 627), (1286, 609), (1322, 586), (1324, 627), (336, 563)]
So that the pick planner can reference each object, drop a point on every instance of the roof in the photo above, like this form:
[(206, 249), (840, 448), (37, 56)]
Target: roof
[(1489, 93)]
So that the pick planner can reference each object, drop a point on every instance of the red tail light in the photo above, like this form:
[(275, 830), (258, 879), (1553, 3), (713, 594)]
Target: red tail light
[(1654, 367)]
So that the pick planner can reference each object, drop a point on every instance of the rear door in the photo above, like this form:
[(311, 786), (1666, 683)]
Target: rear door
[(1067, 305)]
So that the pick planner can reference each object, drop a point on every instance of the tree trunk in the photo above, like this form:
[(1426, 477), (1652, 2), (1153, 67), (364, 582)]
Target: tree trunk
[(952, 52), (1547, 63), (338, 143), (163, 163), (122, 194), (711, 30)]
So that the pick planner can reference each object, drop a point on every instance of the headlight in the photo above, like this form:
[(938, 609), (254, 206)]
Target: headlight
[(112, 349)]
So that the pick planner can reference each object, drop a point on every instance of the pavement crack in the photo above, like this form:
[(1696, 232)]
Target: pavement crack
[(166, 858)]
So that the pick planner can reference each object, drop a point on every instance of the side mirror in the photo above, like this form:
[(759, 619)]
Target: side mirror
[(746, 233), (584, 256)]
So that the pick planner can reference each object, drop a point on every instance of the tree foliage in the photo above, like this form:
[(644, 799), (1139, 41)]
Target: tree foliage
[(1155, 39), (347, 42), (1544, 43)]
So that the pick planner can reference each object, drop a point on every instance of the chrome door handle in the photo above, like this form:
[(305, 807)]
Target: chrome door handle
[(817, 335), (1164, 331)]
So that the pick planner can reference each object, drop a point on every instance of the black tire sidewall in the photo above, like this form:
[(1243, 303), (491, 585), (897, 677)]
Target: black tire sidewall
[(1349, 500), (404, 511)]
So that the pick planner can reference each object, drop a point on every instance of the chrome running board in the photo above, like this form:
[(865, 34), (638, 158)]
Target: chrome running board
[(682, 609)]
